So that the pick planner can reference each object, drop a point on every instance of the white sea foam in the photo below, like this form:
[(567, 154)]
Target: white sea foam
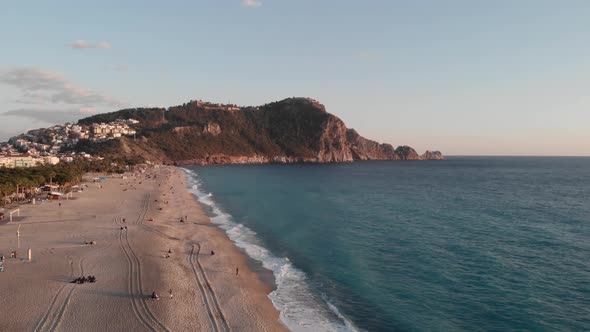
[(300, 309)]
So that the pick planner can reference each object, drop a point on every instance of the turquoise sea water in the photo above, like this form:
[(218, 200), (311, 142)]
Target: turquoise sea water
[(470, 243)]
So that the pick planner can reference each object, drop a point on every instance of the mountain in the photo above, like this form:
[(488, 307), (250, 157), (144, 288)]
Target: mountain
[(199, 133)]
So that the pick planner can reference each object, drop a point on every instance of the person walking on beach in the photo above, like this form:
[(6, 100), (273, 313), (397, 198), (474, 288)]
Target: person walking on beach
[(170, 291), (237, 271)]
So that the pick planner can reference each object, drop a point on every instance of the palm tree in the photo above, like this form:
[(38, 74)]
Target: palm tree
[(6, 189), (21, 182)]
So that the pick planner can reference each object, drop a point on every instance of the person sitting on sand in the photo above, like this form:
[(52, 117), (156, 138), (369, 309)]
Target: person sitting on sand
[(212, 252), (80, 280), (155, 296)]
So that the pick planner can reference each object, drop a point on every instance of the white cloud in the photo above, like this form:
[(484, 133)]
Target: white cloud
[(83, 44), (103, 45), (38, 86), (49, 116), (251, 3)]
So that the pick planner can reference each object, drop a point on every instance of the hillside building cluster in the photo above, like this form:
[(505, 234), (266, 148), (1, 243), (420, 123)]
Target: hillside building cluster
[(48, 145)]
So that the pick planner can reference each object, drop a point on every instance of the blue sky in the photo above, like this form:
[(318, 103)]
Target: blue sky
[(464, 77)]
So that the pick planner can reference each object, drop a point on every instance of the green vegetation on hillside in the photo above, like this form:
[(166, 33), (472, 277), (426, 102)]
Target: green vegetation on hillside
[(291, 130), (291, 127)]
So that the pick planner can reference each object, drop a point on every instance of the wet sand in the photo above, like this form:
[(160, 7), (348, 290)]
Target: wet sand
[(129, 264)]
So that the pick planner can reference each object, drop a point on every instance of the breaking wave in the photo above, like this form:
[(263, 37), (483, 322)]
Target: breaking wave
[(300, 308)]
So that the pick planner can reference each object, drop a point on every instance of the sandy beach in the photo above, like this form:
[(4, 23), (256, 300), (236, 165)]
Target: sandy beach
[(135, 223)]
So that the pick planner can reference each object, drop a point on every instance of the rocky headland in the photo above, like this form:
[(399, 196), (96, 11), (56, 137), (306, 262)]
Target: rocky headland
[(294, 130)]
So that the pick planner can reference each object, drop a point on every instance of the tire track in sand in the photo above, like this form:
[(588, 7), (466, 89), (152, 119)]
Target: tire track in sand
[(134, 284), (140, 222), (218, 321), (53, 316), (158, 232)]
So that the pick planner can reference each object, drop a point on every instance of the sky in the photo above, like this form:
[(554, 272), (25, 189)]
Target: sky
[(466, 77)]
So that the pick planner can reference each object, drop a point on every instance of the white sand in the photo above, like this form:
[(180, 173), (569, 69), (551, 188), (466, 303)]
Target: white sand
[(128, 265)]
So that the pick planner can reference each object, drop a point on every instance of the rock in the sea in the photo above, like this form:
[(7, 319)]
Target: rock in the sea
[(432, 155), (407, 153)]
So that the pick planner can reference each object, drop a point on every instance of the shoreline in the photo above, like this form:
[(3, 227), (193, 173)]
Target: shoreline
[(129, 264), (224, 160), (265, 275), (300, 306)]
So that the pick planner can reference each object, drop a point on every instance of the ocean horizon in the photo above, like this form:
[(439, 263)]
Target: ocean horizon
[(467, 243)]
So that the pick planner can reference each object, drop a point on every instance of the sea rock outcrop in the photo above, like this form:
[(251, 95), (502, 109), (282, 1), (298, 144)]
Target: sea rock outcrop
[(407, 153), (432, 155)]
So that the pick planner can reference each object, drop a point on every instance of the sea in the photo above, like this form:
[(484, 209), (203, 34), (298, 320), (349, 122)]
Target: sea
[(464, 244)]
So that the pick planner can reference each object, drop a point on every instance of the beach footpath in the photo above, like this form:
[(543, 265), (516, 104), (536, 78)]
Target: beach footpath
[(155, 262)]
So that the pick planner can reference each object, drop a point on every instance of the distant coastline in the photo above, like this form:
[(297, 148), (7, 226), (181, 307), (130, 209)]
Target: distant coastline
[(511, 156)]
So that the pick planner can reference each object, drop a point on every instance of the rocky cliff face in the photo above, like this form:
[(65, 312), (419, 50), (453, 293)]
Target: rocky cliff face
[(364, 149), (289, 131), (333, 145)]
